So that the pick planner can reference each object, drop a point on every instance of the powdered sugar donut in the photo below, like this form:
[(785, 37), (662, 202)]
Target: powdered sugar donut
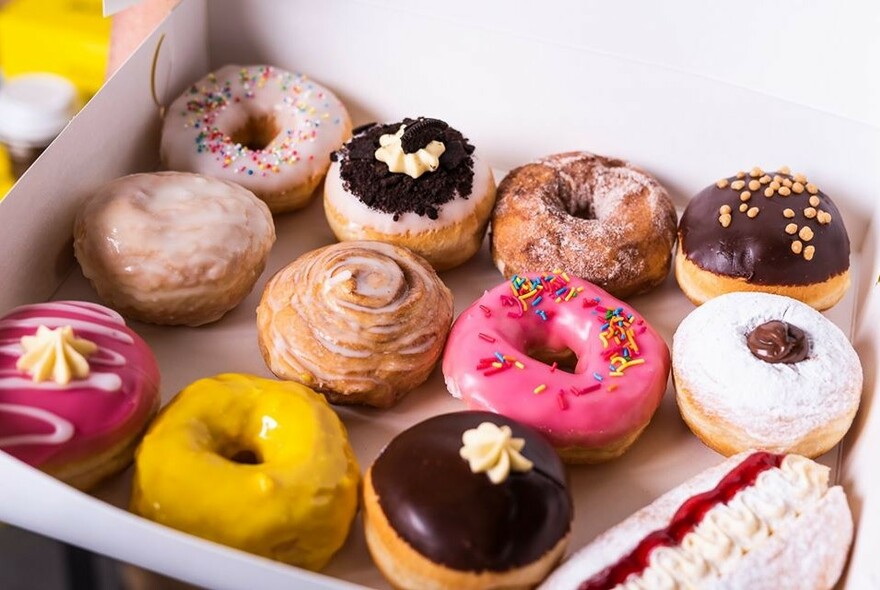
[(600, 218), (563, 356), (77, 388), (755, 370), (267, 129)]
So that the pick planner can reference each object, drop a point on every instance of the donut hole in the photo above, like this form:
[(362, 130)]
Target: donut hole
[(242, 456), (566, 359), (257, 132), (577, 203)]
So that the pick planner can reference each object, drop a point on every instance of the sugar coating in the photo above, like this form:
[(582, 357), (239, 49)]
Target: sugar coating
[(775, 403)]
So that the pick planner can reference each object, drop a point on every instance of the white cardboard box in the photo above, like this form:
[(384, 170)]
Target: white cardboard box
[(689, 92)]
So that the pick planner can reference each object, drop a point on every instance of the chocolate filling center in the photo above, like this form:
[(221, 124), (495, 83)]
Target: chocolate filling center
[(778, 342)]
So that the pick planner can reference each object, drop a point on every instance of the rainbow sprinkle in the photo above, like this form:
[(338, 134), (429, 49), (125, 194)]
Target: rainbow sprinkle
[(207, 102), (618, 335)]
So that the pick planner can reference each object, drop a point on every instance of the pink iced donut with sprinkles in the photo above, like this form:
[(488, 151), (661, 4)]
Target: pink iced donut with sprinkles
[(267, 129), (563, 356), (77, 389)]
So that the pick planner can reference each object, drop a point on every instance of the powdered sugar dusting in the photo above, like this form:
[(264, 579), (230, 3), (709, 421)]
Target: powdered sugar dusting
[(599, 218), (775, 403)]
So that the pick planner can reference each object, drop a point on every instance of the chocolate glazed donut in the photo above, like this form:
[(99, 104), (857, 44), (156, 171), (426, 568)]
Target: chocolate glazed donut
[(600, 218)]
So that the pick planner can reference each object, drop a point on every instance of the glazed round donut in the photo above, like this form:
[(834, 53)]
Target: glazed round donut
[(77, 389), (361, 322), (762, 371), (774, 232), (267, 129), (417, 183), (597, 370), (173, 248), (257, 464), (600, 218), (468, 500), (758, 520)]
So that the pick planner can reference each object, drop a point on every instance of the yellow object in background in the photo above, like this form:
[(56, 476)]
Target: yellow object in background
[(6, 180), (65, 37)]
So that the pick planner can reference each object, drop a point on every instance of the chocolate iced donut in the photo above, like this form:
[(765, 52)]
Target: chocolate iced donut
[(467, 500), (774, 232), (599, 218), (762, 371)]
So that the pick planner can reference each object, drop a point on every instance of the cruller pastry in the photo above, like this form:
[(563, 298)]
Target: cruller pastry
[(173, 248), (758, 520), (418, 183), (775, 232), (362, 322), (755, 370)]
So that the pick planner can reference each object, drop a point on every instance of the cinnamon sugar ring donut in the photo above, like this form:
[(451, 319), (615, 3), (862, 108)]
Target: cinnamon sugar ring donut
[(600, 218)]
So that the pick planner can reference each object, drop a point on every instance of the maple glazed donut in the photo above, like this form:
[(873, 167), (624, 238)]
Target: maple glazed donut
[(758, 520), (774, 232), (173, 248), (761, 371), (77, 389), (361, 322), (417, 183), (267, 129), (597, 370), (600, 218), (261, 465)]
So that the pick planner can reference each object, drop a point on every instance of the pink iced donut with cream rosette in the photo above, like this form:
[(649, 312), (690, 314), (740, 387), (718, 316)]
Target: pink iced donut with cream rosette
[(563, 356), (77, 389)]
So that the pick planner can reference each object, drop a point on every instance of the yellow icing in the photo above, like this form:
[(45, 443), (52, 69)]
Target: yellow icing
[(426, 159), (493, 450), (295, 506), (55, 354)]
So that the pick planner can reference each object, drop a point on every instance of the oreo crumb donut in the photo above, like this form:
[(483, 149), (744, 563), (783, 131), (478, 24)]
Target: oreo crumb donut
[(417, 183), (599, 218), (774, 232)]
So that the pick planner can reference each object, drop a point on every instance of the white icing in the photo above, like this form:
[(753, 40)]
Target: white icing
[(777, 404), (103, 381), (80, 326), (729, 531), (301, 109), (85, 308), (61, 433), (360, 216)]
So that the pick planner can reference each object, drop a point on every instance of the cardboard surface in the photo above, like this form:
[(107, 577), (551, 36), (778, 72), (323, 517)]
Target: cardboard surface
[(516, 95)]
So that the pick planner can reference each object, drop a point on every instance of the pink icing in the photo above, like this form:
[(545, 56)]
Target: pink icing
[(46, 424), (572, 409)]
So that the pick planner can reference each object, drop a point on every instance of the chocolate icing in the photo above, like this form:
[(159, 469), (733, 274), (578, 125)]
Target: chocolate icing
[(778, 342), (461, 519), (758, 249), (370, 181)]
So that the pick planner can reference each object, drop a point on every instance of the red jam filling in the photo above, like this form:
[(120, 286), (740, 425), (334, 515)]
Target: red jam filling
[(688, 516)]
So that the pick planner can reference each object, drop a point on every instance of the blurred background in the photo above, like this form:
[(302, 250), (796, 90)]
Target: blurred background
[(53, 58)]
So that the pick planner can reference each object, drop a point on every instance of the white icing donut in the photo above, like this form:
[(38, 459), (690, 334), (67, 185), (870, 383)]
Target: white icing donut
[(733, 400), (267, 129), (173, 248)]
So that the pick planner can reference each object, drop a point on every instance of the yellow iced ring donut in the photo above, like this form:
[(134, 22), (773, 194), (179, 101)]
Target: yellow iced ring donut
[(259, 465)]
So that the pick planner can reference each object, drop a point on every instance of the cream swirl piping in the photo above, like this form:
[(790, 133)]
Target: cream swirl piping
[(55, 354), (426, 159), (730, 530), (493, 450), (355, 317)]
